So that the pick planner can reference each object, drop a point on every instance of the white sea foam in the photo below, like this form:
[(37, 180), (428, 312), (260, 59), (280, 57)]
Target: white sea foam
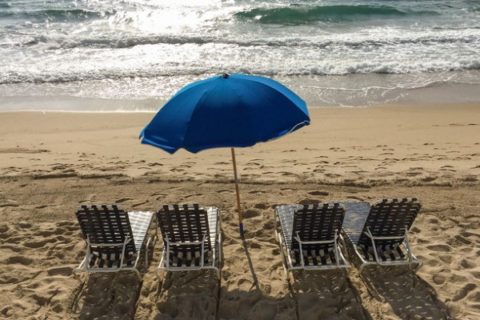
[(149, 49)]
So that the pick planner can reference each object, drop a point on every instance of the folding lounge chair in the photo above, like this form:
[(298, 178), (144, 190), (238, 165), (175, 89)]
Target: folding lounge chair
[(115, 239), (191, 237), (383, 239), (310, 236)]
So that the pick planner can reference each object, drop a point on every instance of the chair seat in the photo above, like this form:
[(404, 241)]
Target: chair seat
[(111, 261), (314, 257), (388, 253)]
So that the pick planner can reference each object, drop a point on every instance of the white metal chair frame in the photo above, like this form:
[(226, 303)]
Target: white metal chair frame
[(84, 265), (411, 260)]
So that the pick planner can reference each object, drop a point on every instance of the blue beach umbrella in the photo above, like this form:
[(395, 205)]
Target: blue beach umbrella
[(226, 111)]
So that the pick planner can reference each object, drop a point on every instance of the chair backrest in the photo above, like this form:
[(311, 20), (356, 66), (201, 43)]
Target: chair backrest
[(105, 224), (187, 223), (317, 222), (390, 218)]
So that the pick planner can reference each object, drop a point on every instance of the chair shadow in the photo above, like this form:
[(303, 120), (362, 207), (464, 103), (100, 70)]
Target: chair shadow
[(326, 294), (188, 295), (409, 295), (108, 296)]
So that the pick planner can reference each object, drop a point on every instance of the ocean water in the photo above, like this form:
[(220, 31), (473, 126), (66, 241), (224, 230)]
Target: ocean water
[(332, 52)]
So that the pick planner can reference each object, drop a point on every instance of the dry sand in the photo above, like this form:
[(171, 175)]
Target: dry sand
[(50, 163)]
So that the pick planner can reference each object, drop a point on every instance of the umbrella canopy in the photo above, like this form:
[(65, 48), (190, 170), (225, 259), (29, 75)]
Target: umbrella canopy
[(226, 111)]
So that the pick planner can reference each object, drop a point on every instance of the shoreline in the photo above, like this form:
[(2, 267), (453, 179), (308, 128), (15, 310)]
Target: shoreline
[(353, 90), (96, 101)]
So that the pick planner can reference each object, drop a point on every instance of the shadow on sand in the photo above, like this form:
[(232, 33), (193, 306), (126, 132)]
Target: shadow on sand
[(326, 294), (250, 300), (188, 295), (107, 296), (409, 295)]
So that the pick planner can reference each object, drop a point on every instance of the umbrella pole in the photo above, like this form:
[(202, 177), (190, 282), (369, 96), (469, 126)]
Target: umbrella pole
[(237, 189)]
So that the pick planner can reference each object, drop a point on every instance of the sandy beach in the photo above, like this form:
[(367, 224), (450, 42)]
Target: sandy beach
[(50, 163)]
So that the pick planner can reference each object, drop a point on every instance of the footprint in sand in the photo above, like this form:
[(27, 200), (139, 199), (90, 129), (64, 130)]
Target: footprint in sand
[(319, 193), (446, 258), (308, 201), (9, 203), (467, 264), (19, 260), (429, 179), (34, 244), (22, 150), (332, 175), (60, 271), (359, 172), (439, 279), (134, 205), (192, 195), (469, 178), (4, 228), (355, 198), (24, 225), (261, 206), (439, 247), (464, 291)]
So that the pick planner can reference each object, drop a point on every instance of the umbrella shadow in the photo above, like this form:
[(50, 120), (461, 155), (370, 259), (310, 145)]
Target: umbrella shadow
[(107, 296), (409, 295), (327, 294)]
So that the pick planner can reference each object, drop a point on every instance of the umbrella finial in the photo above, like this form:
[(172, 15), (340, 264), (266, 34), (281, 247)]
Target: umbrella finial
[(225, 75)]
